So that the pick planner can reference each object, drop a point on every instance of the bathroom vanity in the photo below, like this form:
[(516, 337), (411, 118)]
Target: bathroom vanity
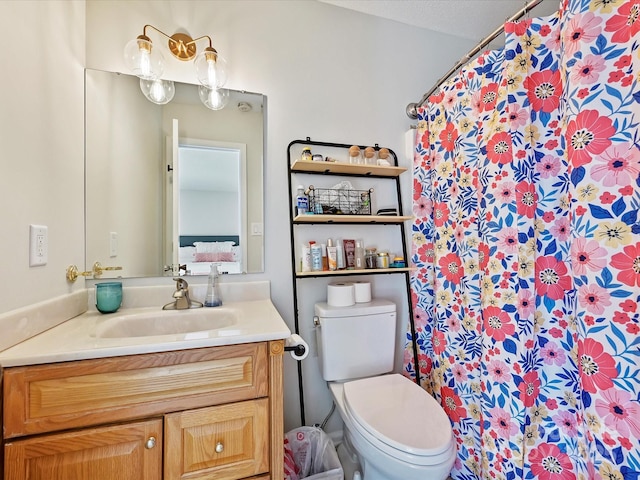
[(215, 411)]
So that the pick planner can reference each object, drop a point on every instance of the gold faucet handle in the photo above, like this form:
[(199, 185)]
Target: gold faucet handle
[(98, 269), (73, 273)]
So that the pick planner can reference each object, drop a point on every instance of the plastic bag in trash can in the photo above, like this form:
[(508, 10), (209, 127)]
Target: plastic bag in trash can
[(309, 453)]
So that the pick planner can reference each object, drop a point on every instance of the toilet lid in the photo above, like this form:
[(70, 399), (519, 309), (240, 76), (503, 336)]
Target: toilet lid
[(399, 413)]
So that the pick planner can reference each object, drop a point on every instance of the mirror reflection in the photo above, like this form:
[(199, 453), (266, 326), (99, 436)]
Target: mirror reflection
[(171, 188)]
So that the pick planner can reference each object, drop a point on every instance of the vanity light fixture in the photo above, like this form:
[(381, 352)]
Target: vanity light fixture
[(147, 63)]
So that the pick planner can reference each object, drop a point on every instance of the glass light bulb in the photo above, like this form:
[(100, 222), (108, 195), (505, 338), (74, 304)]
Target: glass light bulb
[(143, 60), (214, 98), (158, 91), (211, 69)]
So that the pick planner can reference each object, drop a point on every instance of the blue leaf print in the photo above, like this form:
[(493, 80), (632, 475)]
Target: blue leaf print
[(602, 450), (636, 96), (629, 474), (619, 206), (630, 217), (509, 308), (618, 456), (549, 303), (577, 175), (551, 248), (599, 212), (554, 436), (620, 293), (601, 43), (606, 278), (614, 92), (546, 63)]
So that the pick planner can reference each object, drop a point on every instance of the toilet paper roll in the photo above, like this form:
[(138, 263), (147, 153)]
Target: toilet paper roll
[(341, 294), (294, 341), (362, 292)]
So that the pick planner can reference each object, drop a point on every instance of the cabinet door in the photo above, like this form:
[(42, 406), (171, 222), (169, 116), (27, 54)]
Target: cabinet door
[(225, 442), (121, 452)]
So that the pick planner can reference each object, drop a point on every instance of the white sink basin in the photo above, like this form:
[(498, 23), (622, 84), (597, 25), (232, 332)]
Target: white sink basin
[(166, 322)]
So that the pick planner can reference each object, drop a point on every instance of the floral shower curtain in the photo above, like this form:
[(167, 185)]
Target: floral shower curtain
[(526, 245)]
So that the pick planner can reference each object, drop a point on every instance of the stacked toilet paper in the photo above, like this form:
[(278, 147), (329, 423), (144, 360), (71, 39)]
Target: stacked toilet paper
[(348, 293)]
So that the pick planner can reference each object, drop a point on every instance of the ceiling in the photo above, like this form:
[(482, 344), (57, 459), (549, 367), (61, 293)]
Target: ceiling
[(470, 19)]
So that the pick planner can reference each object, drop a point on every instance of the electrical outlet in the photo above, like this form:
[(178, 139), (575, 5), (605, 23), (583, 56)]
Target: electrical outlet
[(38, 245)]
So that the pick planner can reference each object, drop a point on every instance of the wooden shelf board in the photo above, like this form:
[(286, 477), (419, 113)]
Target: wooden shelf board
[(381, 219), (369, 271), (338, 168)]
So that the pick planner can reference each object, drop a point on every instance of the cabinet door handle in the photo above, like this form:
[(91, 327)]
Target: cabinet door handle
[(151, 442), (219, 447)]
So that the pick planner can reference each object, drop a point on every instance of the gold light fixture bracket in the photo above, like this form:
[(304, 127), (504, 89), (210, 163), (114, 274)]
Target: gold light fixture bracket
[(182, 46)]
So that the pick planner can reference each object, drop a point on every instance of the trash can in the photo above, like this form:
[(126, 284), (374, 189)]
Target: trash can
[(309, 453)]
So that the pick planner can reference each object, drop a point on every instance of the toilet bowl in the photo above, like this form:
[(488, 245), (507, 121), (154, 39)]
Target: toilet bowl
[(397, 430), (391, 423)]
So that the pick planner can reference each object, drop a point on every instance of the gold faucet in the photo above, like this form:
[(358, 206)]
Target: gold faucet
[(181, 295)]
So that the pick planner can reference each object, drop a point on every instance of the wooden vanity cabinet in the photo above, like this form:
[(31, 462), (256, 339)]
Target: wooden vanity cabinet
[(209, 413)]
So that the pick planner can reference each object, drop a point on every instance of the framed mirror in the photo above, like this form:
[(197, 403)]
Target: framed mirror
[(171, 188)]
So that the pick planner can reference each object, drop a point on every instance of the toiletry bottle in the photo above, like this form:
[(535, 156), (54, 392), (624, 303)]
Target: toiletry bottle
[(332, 255), (359, 255), (302, 201), (213, 292), (306, 154), (340, 255), (305, 258), (325, 260), (316, 257)]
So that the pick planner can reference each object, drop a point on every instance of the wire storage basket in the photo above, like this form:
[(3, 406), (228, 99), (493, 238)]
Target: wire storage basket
[(340, 201)]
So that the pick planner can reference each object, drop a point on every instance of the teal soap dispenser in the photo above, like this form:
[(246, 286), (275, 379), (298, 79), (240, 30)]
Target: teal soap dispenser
[(213, 291)]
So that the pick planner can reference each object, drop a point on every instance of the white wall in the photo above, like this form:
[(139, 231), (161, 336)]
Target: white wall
[(329, 73), (41, 136)]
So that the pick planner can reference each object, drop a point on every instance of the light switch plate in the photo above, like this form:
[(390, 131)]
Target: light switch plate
[(256, 229), (38, 245)]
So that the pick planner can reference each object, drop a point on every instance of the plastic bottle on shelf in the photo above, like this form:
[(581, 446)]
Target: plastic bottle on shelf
[(306, 154), (302, 201), (212, 298), (359, 257)]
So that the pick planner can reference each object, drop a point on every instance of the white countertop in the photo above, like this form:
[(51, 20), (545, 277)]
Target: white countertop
[(76, 339)]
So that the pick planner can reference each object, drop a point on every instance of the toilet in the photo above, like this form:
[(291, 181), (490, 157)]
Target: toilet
[(397, 430)]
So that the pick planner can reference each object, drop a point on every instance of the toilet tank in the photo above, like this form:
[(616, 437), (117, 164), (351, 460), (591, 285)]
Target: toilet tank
[(357, 341)]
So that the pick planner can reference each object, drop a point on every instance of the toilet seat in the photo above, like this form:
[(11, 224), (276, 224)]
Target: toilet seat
[(397, 416)]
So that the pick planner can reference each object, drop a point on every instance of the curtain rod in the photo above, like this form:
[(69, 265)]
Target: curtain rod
[(412, 108)]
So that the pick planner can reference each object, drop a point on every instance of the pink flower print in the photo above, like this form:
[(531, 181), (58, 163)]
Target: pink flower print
[(552, 354), (619, 412), (497, 323), (587, 135), (586, 71), (451, 268), (555, 40), (597, 368), (594, 298), (618, 165), (422, 207), (626, 24), (567, 422), (551, 277), (517, 116), (452, 404), (501, 421), (506, 192), (583, 28), (477, 106), (453, 323), (549, 463), (529, 388), (561, 229), (543, 89), (499, 371), (483, 255), (526, 303), (628, 262), (508, 240), (587, 255), (459, 373), (548, 166)]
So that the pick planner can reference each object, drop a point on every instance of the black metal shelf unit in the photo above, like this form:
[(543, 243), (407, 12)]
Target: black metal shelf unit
[(343, 169)]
